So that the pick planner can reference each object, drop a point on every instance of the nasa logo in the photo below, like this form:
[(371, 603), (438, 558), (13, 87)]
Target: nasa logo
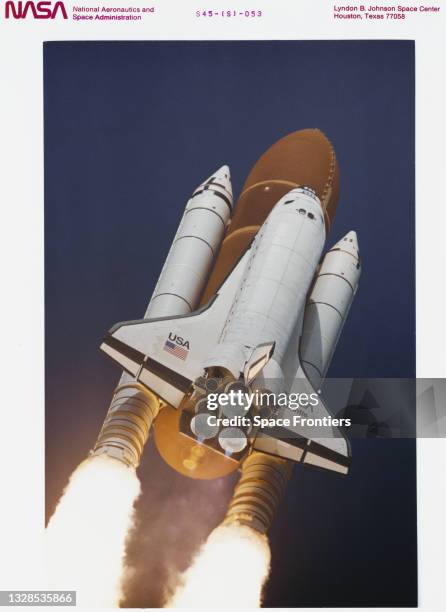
[(38, 10)]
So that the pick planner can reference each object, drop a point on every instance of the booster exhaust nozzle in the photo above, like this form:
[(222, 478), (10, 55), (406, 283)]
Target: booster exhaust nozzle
[(259, 491), (127, 424)]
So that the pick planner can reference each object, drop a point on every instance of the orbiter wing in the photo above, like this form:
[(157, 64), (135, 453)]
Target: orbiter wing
[(321, 446), (167, 354)]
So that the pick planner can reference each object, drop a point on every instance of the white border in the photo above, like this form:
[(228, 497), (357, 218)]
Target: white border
[(21, 247)]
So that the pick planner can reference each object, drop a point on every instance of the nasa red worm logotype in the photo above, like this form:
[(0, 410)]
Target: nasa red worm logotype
[(35, 10)]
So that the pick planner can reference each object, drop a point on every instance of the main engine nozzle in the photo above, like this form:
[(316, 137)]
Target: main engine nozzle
[(219, 415)]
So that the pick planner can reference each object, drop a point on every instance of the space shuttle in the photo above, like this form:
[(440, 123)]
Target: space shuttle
[(247, 301)]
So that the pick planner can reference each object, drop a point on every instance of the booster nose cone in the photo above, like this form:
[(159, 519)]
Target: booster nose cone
[(352, 237), (220, 182), (222, 174), (349, 243), (221, 177)]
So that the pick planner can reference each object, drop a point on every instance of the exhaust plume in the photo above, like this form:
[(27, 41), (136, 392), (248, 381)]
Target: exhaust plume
[(86, 536), (230, 569)]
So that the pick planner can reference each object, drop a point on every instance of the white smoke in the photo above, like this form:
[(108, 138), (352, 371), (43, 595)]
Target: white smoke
[(228, 572), (86, 536)]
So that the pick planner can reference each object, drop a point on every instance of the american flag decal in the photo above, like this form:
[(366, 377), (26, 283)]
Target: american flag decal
[(175, 350)]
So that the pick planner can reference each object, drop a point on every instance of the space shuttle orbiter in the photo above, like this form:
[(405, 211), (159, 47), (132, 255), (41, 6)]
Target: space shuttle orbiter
[(244, 302)]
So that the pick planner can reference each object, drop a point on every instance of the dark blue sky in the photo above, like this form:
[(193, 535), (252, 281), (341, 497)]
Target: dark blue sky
[(130, 130)]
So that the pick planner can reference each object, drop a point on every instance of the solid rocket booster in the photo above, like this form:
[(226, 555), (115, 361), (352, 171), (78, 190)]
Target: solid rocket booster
[(328, 306), (194, 248), (134, 408)]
